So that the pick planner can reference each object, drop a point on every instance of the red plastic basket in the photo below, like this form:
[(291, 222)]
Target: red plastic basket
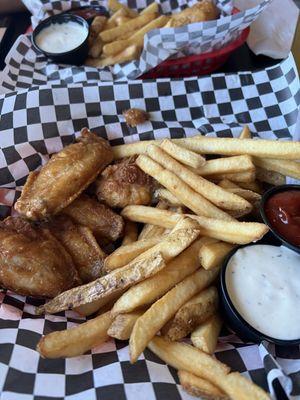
[(201, 64)]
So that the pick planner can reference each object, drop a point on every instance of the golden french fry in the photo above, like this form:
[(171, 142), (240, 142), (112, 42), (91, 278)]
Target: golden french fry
[(213, 254), (254, 186), (103, 287), (152, 8), (186, 157), (226, 165), (115, 6), (163, 309), (249, 195), (111, 22), (229, 231), (199, 387), (122, 20), (248, 176), (97, 25), (95, 51), (90, 308), (164, 194), (271, 177), (194, 201), (130, 233), (149, 290), (286, 150), (185, 357), (75, 341), (124, 254), (283, 167), (191, 314), (245, 134), (123, 324), (150, 230), (129, 54), (130, 26), (205, 336), (216, 195), (137, 38)]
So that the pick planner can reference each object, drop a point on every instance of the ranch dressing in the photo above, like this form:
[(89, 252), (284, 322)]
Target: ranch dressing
[(263, 283), (59, 38)]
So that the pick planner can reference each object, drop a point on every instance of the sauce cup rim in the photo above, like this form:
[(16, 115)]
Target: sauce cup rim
[(233, 310), (53, 19), (269, 193)]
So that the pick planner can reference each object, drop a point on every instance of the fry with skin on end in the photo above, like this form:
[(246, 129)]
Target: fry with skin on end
[(163, 309), (130, 233), (226, 165), (228, 231), (255, 186), (124, 254), (283, 167), (213, 193), (271, 177), (205, 336), (123, 324), (213, 254), (194, 201), (185, 357), (149, 290), (199, 387), (164, 194), (90, 308), (182, 155), (75, 341), (105, 286), (191, 314), (245, 134), (249, 195)]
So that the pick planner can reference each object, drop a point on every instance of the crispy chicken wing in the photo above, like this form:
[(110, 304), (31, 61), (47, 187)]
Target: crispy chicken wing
[(103, 222), (32, 261), (81, 245), (123, 184), (64, 177)]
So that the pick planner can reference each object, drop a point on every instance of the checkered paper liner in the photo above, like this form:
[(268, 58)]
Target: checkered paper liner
[(159, 44), (40, 121)]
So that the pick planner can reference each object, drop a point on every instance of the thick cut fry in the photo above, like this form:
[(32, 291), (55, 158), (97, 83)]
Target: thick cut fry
[(194, 201), (183, 155), (151, 289), (254, 186), (130, 233), (130, 53), (284, 167), (248, 176), (122, 20), (213, 254), (205, 336), (185, 357), (205, 188), (164, 194), (228, 231), (245, 134), (75, 341), (103, 287), (226, 165), (96, 27), (150, 230), (115, 6), (137, 38), (199, 387), (163, 309), (191, 314), (227, 146), (123, 324), (271, 177), (130, 26), (152, 8), (124, 254), (91, 308)]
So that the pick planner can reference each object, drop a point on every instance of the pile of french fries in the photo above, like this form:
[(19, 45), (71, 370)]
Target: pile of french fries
[(120, 38), (159, 285)]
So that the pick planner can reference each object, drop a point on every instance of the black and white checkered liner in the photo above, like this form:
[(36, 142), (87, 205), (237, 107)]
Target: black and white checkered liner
[(159, 44), (40, 121)]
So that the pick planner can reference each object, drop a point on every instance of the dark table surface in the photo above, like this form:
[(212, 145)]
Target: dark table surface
[(242, 59)]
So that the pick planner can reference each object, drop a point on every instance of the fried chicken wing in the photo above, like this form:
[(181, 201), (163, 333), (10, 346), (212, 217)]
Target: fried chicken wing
[(103, 222), (124, 184), (81, 245), (32, 261), (64, 177)]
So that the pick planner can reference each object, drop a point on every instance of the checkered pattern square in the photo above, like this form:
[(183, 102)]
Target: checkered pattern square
[(25, 67)]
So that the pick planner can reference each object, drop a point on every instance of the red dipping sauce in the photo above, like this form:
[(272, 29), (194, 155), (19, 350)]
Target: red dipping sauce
[(283, 212)]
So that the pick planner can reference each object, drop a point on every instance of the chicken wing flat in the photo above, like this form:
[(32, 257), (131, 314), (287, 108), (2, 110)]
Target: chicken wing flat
[(32, 261), (64, 177), (124, 184), (81, 245), (103, 222)]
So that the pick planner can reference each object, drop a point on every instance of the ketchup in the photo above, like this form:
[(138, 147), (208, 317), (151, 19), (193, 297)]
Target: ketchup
[(283, 213)]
